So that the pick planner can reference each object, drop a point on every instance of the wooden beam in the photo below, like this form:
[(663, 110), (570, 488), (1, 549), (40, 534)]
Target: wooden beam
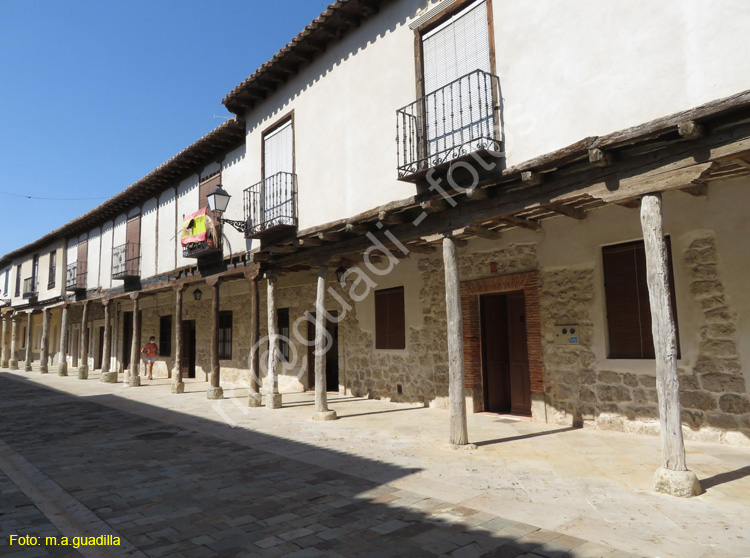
[(521, 223), (690, 129), (420, 249), (434, 205), (391, 218), (261, 257), (599, 157), (629, 204), (273, 250), (568, 211), (477, 193), (483, 232), (329, 236), (307, 242), (357, 228), (697, 190), (530, 178), (742, 162)]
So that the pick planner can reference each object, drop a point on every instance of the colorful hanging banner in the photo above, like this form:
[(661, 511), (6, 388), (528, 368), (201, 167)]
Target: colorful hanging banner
[(194, 227)]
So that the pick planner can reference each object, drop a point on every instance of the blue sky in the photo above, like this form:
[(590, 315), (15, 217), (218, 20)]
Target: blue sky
[(96, 94)]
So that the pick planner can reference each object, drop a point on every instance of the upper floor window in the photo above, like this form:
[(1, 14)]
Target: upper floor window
[(35, 270), (18, 280), (52, 270), (206, 186), (627, 299)]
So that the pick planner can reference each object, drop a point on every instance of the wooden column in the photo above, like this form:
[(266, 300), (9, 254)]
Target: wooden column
[(4, 359), (273, 397), (178, 386), (135, 353), (13, 363), (44, 349), (62, 365), (673, 477), (214, 387), (83, 362), (29, 337), (459, 435), (321, 396), (107, 376), (255, 397)]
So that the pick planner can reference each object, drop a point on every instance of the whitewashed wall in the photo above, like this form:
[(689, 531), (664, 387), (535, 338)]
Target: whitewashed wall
[(105, 267), (167, 237), (92, 278), (234, 178)]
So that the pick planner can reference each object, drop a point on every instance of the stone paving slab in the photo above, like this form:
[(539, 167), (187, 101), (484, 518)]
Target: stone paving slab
[(176, 492)]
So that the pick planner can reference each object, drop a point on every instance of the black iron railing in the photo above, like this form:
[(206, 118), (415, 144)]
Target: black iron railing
[(453, 121), (126, 261), (271, 204), (75, 276), (29, 287)]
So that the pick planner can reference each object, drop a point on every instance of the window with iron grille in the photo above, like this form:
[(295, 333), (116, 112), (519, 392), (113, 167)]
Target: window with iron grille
[(165, 336), (282, 317), (225, 335), (52, 270), (390, 323), (627, 300), (18, 280)]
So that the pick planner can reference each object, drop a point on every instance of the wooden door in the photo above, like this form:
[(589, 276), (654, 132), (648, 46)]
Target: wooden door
[(132, 245), (332, 356), (82, 264), (520, 381), (495, 351), (127, 338), (187, 364), (100, 350)]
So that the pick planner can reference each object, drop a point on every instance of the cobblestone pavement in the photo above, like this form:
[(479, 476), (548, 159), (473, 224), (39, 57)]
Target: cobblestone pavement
[(171, 491)]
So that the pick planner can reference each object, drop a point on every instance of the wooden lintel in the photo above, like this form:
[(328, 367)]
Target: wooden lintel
[(630, 204), (483, 232), (697, 190), (521, 223), (282, 250), (329, 236), (531, 178), (477, 193), (568, 211), (391, 218), (420, 249), (690, 129), (600, 157), (261, 257)]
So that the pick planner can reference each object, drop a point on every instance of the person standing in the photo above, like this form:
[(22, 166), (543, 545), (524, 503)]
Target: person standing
[(150, 352)]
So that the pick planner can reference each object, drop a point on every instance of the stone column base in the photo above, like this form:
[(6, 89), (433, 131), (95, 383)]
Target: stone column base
[(4, 364), (13, 365), (325, 415), (255, 400), (83, 372), (215, 393), (43, 369), (273, 401), (178, 387), (108, 377), (683, 484), (135, 381), (27, 367), (62, 369)]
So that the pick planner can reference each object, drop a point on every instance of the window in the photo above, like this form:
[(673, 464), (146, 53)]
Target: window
[(628, 307), (34, 272), (165, 336), (225, 335), (390, 329), (278, 170), (18, 280), (282, 317), (52, 270), (207, 186), (7, 279)]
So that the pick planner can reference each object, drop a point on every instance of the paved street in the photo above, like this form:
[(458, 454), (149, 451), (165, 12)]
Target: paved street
[(169, 491)]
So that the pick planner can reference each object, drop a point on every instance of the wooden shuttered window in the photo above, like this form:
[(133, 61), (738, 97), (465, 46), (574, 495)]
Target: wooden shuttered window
[(225, 334), (627, 300), (206, 187), (390, 325)]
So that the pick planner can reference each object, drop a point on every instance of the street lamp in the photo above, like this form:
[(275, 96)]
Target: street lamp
[(197, 294), (218, 200)]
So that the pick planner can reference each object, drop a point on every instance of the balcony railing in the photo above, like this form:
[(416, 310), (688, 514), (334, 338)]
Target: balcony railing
[(29, 287), (271, 205), (451, 122), (75, 276), (126, 261)]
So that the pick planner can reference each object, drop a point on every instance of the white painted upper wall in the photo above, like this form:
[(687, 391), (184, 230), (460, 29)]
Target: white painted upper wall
[(167, 236), (567, 70), (46, 290), (148, 237)]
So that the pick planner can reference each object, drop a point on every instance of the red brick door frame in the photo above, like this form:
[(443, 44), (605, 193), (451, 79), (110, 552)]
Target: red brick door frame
[(472, 332)]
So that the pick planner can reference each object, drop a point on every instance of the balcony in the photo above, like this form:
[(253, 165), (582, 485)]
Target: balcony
[(126, 261), (30, 288), (448, 125), (200, 237), (271, 206), (75, 277)]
